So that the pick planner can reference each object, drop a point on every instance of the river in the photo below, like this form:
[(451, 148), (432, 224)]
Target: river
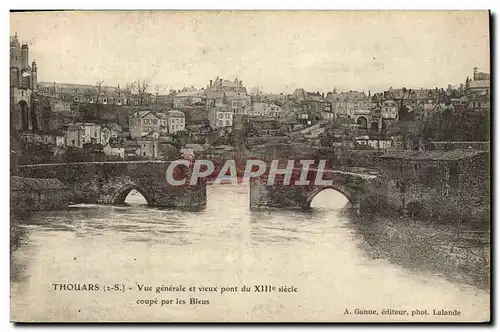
[(315, 252)]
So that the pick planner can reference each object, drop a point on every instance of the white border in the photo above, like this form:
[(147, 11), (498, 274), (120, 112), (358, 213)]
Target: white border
[(180, 5)]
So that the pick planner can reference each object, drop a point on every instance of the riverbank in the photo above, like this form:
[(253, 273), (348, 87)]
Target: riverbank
[(17, 234), (460, 254)]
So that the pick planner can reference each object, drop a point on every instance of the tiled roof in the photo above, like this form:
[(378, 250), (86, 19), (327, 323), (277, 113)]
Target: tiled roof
[(432, 155), (21, 183), (190, 94), (479, 84), (141, 114), (175, 113)]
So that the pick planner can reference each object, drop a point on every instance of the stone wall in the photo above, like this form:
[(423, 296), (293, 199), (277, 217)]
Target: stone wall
[(37, 200), (110, 182)]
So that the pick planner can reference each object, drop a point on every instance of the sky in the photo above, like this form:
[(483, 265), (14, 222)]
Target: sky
[(275, 51)]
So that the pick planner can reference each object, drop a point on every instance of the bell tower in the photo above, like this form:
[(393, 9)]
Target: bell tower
[(24, 56), (34, 79)]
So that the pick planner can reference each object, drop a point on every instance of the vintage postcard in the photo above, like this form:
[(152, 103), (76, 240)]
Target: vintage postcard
[(250, 166)]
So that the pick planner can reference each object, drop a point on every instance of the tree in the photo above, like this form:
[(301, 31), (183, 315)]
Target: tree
[(129, 90), (98, 90), (256, 93), (141, 87), (157, 92)]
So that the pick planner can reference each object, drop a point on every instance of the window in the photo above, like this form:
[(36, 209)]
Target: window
[(446, 173), (221, 123), (446, 189), (144, 154), (91, 100), (228, 115), (76, 98), (227, 122), (221, 115), (105, 100)]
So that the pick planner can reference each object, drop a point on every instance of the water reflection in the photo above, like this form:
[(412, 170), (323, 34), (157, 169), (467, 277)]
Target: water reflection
[(317, 251)]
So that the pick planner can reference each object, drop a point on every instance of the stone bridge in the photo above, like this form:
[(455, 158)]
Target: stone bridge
[(110, 182), (354, 186)]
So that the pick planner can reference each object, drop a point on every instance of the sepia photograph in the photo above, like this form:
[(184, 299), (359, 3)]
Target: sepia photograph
[(250, 166)]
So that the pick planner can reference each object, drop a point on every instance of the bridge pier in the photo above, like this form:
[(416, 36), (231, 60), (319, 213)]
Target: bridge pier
[(355, 187)]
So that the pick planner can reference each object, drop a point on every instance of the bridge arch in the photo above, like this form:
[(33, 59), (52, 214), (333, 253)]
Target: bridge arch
[(317, 190), (122, 193)]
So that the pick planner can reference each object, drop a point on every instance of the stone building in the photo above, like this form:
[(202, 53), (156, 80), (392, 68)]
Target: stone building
[(267, 109), (226, 94), (176, 121), (148, 147), (27, 111), (29, 194), (189, 98), (345, 103), (436, 182), (478, 91), (313, 104), (142, 123), (83, 93), (220, 117)]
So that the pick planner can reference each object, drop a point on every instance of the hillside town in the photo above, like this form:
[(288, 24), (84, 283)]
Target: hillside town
[(230, 150), (64, 122)]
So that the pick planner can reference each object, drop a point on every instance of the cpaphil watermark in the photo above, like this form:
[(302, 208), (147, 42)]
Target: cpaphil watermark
[(288, 172)]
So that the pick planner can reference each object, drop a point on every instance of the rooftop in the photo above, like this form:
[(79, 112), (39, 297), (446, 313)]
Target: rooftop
[(142, 114), (479, 84), (175, 113), (433, 155)]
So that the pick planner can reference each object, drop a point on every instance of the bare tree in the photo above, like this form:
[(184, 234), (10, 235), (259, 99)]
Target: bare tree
[(141, 87), (256, 93), (157, 92), (129, 90), (98, 90)]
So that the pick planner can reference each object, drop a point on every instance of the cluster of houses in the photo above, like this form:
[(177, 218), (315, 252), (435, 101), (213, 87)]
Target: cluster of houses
[(152, 121), (146, 130)]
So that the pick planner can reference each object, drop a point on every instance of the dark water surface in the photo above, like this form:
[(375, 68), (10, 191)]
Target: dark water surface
[(317, 252)]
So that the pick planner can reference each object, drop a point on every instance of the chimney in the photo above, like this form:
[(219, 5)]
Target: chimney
[(323, 95), (211, 83)]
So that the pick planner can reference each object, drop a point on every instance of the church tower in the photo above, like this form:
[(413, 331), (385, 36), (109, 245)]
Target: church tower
[(24, 56), (34, 79)]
